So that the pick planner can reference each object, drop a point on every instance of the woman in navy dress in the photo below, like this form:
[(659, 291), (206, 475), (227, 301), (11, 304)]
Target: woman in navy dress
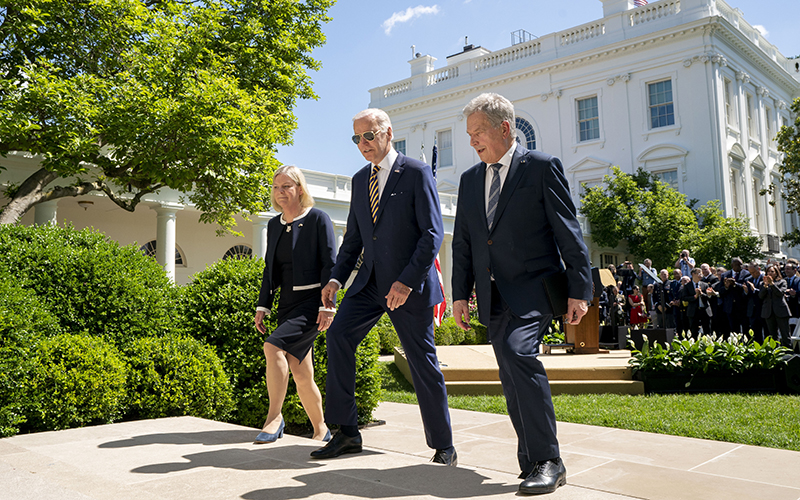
[(300, 255)]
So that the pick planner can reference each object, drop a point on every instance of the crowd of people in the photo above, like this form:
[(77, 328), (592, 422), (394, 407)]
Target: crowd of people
[(756, 299)]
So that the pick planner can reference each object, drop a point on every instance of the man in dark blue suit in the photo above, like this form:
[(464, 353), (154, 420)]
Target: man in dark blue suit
[(734, 300), (515, 223), (396, 220)]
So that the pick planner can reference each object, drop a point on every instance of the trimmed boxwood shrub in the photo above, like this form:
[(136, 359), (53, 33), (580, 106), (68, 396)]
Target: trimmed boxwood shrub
[(174, 376), (448, 333), (220, 305), (76, 380), (91, 284), (23, 322), (387, 335)]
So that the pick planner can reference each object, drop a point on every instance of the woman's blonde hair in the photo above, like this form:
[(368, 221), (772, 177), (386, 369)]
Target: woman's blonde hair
[(295, 174)]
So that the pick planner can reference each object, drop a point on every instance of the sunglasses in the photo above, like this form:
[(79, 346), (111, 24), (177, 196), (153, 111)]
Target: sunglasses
[(366, 135)]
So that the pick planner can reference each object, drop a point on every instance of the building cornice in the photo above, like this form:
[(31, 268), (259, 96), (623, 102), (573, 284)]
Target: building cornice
[(706, 26)]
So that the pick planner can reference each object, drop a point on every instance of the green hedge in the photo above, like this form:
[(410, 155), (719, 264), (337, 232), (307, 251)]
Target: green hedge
[(91, 284), (23, 322), (70, 299), (77, 380), (448, 333), (220, 305), (174, 376)]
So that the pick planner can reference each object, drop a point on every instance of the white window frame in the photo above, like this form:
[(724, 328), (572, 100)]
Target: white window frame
[(405, 145), (645, 100), (752, 116), (576, 142), (451, 148), (596, 118)]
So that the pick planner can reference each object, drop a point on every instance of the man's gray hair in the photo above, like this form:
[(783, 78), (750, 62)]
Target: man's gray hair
[(497, 109), (380, 116)]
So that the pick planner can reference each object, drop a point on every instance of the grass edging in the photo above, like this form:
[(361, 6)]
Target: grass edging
[(754, 419)]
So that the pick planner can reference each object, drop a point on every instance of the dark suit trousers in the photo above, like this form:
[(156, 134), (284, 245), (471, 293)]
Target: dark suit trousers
[(779, 329), (516, 346), (698, 321), (414, 324)]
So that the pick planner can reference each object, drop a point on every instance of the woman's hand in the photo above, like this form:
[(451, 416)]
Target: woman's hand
[(259, 320), (324, 320)]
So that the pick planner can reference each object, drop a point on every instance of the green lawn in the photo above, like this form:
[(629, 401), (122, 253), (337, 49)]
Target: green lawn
[(771, 420)]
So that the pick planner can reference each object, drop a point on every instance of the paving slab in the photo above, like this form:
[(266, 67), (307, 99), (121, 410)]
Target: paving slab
[(192, 458)]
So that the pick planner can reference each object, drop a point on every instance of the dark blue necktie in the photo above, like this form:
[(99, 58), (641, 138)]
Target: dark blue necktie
[(494, 194)]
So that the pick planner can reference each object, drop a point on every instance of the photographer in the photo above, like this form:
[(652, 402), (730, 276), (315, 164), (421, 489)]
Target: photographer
[(685, 263)]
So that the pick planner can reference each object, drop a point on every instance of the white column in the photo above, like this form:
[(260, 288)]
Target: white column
[(46, 213), (339, 232), (165, 237), (744, 140), (446, 263), (260, 234)]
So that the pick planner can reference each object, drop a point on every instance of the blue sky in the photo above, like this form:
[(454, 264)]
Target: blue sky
[(369, 45)]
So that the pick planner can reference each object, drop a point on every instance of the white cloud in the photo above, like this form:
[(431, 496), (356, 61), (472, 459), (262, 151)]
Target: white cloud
[(762, 29), (409, 14)]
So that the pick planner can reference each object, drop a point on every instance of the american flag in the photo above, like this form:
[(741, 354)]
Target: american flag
[(639, 3), (438, 309)]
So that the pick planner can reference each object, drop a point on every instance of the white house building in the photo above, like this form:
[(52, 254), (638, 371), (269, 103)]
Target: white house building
[(685, 89)]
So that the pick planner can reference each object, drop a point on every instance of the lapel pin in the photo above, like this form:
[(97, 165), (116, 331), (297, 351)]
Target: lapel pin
[(397, 171)]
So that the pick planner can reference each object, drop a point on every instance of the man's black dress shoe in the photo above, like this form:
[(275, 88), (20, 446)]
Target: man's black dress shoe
[(546, 477), (446, 457), (338, 445)]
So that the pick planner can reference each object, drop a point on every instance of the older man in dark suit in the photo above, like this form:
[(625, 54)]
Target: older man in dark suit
[(396, 220), (734, 300), (515, 223)]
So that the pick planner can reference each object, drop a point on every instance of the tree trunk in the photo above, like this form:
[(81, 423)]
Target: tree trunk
[(30, 192)]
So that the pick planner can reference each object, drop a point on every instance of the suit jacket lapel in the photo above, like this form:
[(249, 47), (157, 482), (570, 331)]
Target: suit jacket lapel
[(480, 193), (272, 244), (512, 179)]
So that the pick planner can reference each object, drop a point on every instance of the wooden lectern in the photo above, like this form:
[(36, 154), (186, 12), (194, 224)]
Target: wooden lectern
[(585, 336)]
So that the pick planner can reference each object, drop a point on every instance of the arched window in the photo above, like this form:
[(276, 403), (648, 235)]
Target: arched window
[(149, 249), (238, 252), (525, 134)]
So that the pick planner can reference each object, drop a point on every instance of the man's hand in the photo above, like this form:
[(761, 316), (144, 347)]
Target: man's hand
[(576, 309), (461, 314), (259, 320), (324, 320), (329, 295), (397, 295)]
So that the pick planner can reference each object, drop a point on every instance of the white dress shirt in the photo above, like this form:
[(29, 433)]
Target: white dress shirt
[(503, 171), (386, 169)]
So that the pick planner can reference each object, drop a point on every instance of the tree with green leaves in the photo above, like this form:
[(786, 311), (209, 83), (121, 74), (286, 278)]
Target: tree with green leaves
[(789, 167), (653, 218), (657, 222), (131, 96), (718, 238)]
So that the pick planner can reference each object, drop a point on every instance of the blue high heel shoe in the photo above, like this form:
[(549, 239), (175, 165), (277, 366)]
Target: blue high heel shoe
[(266, 437), (327, 436)]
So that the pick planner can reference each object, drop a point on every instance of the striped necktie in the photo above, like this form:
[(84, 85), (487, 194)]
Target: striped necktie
[(374, 193), (494, 194)]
